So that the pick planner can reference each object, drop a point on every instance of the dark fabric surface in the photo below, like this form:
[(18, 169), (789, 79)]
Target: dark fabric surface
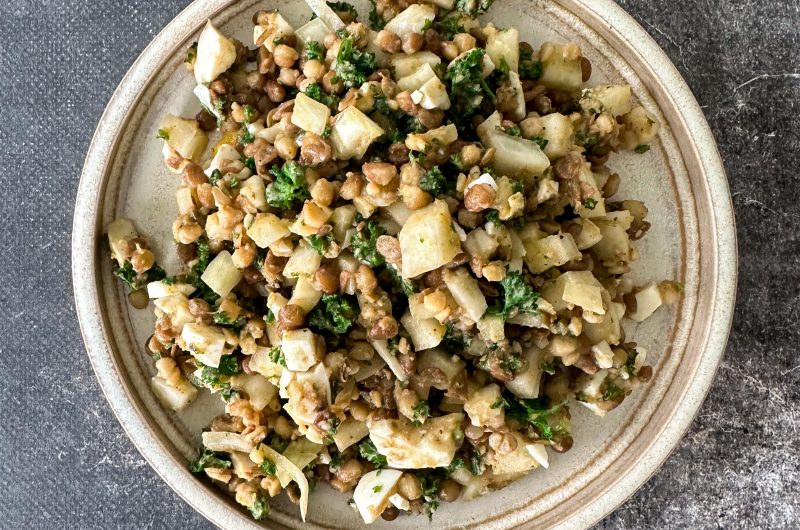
[(66, 463)]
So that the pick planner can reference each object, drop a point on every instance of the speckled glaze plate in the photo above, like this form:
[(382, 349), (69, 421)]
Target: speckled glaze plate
[(681, 180)]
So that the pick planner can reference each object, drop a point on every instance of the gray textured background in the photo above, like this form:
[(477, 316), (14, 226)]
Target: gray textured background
[(64, 460)]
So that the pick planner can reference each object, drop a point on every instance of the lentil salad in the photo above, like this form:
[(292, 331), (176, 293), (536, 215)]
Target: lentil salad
[(402, 260)]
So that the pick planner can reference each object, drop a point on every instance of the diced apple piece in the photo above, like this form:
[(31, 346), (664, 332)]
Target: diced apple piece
[(452, 366), (557, 130), (353, 133), (561, 66), (428, 241), (406, 446), (372, 493), (589, 234), (639, 126), (221, 275), (551, 251), (310, 115), (216, 53), (253, 190)]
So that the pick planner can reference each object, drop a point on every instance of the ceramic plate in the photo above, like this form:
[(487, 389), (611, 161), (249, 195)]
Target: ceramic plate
[(681, 180)]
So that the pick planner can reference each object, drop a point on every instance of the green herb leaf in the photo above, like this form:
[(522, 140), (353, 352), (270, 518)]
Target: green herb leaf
[(376, 21), (290, 186), (518, 296), (260, 508), (467, 87), (353, 66), (210, 459), (277, 356), (421, 412), (368, 451), (320, 243), (473, 8), (365, 241), (434, 182), (335, 314), (268, 468), (314, 50), (641, 149), (163, 134)]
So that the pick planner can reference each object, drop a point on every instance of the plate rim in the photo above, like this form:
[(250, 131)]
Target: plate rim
[(86, 254)]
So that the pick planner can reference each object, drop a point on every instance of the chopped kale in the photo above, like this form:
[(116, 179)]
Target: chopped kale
[(473, 8), (528, 67), (250, 163), (401, 285), (518, 296), (210, 459), (456, 464), (368, 451), (315, 50), (343, 7), (431, 486), (353, 66), (335, 314), (534, 412), (315, 92), (365, 242), (548, 367), (449, 27), (290, 186), (395, 122)]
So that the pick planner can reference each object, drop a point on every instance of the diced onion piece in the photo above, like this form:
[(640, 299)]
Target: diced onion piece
[(221, 275), (373, 491), (353, 133), (349, 432), (160, 289), (310, 115), (175, 397), (287, 470), (203, 94), (412, 19), (120, 231), (206, 343), (519, 110), (406, 446), (215, 54), (227, 442), (382, 347)]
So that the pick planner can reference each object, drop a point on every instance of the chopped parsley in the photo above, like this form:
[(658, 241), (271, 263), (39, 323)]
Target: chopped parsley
[(377, 489), (541, 141), (473, 8), (641, 149), (210, 459), (534, 412), (612, 392), (268, 468), (353, 66), (456, 464), (335, 314), (376, 21), (314, 50), (290, 186), (590, 203), (365, 243), (467, 86), (136, 281), (315, 92), (320, 243), (222, 318), (368, 451), (528, 67), (277, 356), (215, 177), (518, 296), (421, 412), (260, 508), (434, 182), (163, 134), (191, 53)]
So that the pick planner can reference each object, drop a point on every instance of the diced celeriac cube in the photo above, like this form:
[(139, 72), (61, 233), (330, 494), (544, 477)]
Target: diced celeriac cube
[(253, 189), (313, 31), (373, 491), (432, 95), (424, 334), (589, 234), (515, 84), (406, 446), (561, 66), (353, 133), (215, 54), (120, 231), (349, 432), (405, 65), (184, 137), (382, 347), (224, 152), (492, 328), (304, 261), (515, 155), (614, 99), (304, 294), (648, 299), (442, 136), (551, 251), (412, 19), (417, 78), (503, 45), (319, 380), (176, 397), (514, 464), (466, 292), (259, 391), (266, 229), (221, 275), (427, 240), (573, 288), (177, 307), (526, 384), (160, 289), (272, 28), (452, 366), (299, 346), (262, 363), (484, 407), (205, 343), (310, 115)]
